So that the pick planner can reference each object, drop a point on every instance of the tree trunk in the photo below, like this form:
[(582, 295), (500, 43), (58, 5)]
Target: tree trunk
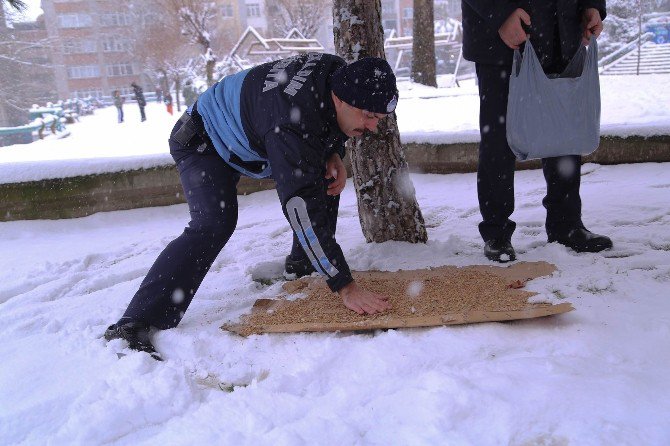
[(209, 68), (165, 86), (423, 44), (387, 205), (639, 37), (177, 87), (210, 63)]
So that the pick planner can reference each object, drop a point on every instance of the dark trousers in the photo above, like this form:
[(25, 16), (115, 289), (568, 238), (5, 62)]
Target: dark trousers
[(495, 173), (210, 188), (119, 113), (143, 117)]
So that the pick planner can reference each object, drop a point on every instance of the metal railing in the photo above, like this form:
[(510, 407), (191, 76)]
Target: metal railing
[(614, 57), (252, 48)]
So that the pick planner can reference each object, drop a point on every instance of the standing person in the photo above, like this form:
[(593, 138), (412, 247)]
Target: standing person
[(288, 119), (139, 97), (168, 101), (118, 103), (159, 94), (491, 33), (189, 93)]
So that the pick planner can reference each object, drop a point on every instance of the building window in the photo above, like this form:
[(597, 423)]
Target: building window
[(408, 13), (253, 10), (227, 11), (150, 18), (83, 94), (79, 47), (74, 21), (111, 44), (119, 69), (115, 19), (83, 72), (124, 90)]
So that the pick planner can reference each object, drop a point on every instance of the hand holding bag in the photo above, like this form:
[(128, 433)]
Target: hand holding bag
[(549, 116)]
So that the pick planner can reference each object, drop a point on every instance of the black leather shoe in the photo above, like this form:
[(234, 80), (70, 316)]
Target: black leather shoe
[(137, 336), (582, 240), (499, 251), (300, 268)]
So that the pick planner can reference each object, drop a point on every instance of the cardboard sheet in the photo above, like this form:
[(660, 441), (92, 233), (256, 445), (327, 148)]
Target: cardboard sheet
[(492, 294)]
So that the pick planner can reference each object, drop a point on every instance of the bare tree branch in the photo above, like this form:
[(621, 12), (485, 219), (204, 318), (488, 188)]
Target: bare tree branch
[(305, 15)]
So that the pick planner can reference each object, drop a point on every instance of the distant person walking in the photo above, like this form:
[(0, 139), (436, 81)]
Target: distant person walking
[(118, 103), (168, 102), (189, 93), (139, 97), (159, 94)]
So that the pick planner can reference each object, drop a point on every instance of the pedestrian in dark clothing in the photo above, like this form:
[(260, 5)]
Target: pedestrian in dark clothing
[(139, 97), (159, 94), (118, 103), (491, 32), (289, 120), (168, 102), (189, 93)]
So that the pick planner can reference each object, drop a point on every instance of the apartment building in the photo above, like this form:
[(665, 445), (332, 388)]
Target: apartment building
[(93, 47), (94, 38), (41, 82), (256, 15)]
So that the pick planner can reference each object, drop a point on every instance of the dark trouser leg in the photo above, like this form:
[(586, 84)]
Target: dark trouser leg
[(142, 115), (332, 205), (210, 186), (563, 203), (495, 172)]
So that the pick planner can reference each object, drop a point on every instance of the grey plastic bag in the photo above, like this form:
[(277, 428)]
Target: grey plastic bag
[(550, 116)]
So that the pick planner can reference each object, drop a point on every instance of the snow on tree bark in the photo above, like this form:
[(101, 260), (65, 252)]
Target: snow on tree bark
[(387, 205), (423, 44)]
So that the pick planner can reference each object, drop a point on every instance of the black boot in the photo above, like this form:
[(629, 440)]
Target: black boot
[(137, 336), (300, 268), (499, 250), (582, 240)]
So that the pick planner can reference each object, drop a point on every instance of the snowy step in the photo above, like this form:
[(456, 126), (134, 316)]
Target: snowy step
[(651, 58), (632, 63), (632, 72)]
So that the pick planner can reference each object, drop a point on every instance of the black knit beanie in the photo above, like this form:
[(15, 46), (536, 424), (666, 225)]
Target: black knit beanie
[(368, 84)]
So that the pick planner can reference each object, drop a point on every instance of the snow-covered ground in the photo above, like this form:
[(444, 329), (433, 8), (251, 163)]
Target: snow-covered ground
[(631, 105), (595, 376)]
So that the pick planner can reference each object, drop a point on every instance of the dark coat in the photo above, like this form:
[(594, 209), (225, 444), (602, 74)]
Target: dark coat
[(190, 94), (288, 116), (139, 95), (118, 101), (483, 18)]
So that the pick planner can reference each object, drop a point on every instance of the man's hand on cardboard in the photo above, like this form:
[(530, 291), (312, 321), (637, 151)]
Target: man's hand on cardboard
[(511, 32), (363, 301)]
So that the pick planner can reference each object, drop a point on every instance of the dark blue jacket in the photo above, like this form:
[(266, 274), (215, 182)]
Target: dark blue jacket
[(550, 20), (278, 119)]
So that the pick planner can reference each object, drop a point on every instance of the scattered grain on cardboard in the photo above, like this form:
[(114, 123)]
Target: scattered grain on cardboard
[(411, 293)]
